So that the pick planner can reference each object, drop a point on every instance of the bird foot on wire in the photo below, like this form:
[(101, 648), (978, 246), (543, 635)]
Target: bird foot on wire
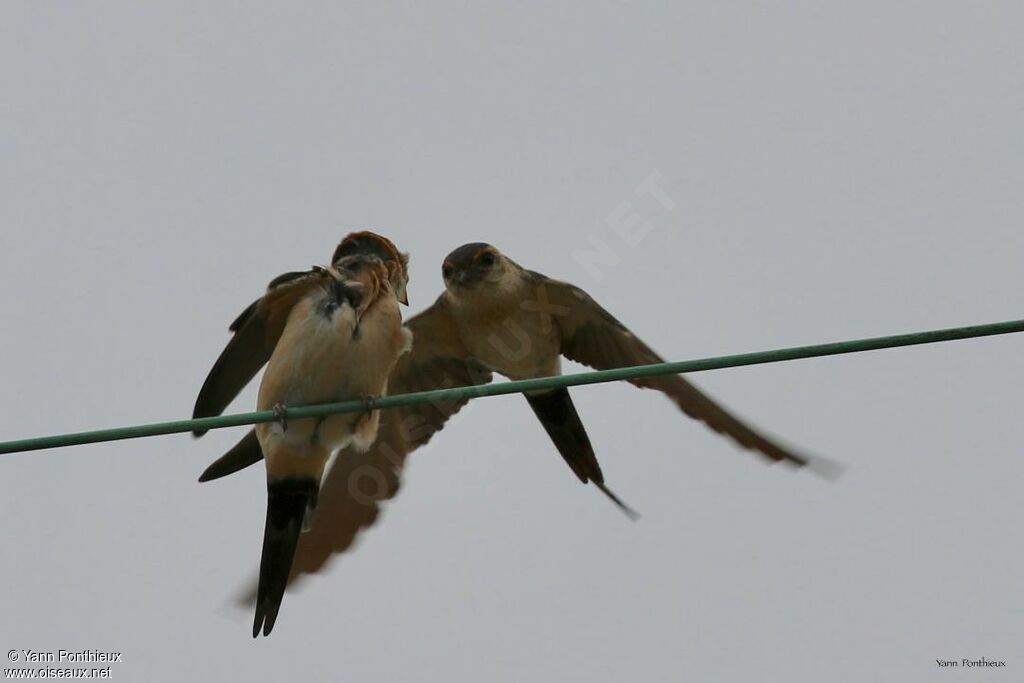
[(368, 403), (281, 413)]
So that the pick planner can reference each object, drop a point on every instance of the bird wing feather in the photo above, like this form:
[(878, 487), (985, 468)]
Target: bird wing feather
[(594, 337), (255, 334)]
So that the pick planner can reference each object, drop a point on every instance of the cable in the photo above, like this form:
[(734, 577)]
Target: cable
[(502, 388)]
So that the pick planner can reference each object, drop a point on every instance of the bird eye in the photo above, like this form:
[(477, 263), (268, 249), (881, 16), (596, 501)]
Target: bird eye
[(487, 259), (446, 271)]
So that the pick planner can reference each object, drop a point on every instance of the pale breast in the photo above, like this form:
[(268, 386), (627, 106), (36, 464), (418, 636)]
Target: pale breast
[(325, 359), (375, 347), (363, 371), (306, 364)]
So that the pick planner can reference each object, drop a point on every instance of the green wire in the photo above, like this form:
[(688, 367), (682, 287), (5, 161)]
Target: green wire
[(499, 389)]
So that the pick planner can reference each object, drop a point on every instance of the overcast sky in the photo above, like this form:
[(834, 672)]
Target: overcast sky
[(832, 173)]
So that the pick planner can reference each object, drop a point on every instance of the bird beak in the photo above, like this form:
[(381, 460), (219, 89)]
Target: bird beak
[(404, 300)]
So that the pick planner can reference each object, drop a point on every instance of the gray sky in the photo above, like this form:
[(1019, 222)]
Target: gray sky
[(834, 173)]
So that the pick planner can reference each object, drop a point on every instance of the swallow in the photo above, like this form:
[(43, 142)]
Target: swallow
[(520, 323), (342, 337), (327, 334)]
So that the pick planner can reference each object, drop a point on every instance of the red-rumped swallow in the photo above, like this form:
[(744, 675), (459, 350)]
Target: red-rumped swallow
[(340, 338), (520, 323)]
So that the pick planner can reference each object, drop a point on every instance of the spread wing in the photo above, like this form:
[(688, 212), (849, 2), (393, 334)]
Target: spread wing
[(255, 333), (591, 335), (353, 490)]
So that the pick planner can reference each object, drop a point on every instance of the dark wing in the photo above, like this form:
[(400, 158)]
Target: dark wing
[(256, 332), (358, 483), (244, 453), (593, 336)]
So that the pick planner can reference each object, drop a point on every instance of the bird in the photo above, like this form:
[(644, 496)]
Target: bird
[(520, 323), (497, 317), (340, 338)]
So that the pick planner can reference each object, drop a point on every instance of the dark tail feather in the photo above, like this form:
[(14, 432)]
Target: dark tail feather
[(244, 453), (629, 512), (287, 502), (556, 412)]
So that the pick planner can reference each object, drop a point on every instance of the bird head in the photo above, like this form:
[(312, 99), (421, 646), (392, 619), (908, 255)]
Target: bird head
[(472, 265), (370, 243)]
